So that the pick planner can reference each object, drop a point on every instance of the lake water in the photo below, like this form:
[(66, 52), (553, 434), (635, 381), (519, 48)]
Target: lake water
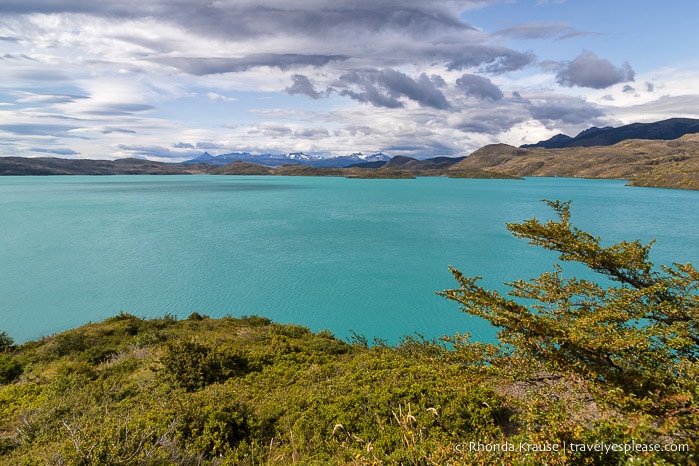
[(328, 253)]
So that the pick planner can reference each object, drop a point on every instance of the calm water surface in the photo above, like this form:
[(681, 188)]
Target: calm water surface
[(328, 253)]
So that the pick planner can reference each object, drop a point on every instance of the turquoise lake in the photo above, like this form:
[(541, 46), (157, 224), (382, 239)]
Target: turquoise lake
[(328, 253)]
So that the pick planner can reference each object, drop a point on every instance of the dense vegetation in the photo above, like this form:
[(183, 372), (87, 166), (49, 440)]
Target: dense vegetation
[(581, 373)]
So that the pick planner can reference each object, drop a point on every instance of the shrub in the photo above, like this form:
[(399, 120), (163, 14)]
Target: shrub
[(6, 342), (10, 368), (192, 365), (255, 321)]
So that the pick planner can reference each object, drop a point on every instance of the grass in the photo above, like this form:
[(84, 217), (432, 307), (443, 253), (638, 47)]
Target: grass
[(204, 391)]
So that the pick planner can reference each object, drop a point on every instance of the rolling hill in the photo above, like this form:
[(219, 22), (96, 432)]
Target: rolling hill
[(656, 163)]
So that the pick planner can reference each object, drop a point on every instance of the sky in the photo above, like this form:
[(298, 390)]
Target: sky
[(167, 80)]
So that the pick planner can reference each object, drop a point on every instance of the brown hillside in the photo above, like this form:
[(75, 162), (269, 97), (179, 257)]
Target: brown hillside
[(658, 163)]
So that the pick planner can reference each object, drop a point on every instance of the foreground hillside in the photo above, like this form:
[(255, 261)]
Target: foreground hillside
[(249, 391), (585, 375), (656, 163)]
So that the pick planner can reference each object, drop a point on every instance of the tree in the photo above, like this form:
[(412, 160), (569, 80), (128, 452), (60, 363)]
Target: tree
[(639, 338), (6, 342), (10, 367)]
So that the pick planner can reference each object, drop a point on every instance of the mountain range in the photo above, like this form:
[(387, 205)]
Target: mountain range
[(661, 154), (672, 128), (275, 160)]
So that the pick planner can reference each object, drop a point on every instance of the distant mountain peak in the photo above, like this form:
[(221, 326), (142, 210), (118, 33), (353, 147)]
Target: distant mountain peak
[(273, 160), (672, 128)]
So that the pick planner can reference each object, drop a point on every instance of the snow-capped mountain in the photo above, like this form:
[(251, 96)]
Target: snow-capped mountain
[(273, 160)]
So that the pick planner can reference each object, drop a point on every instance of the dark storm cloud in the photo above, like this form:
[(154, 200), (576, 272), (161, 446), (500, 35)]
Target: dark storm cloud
[(302, 85), (283, 61), (588, 70), (385, 88), (479, 87)]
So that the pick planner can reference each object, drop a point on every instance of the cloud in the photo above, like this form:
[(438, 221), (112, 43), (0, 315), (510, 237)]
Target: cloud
[(490, 59), (54, 151), (35, 129), (302, 85), (490, 119), (664, 107), (119, 109), (217, 96), (29, 97), (209, 146), (311, 133), (553, 111), (531, 31), (479, 87), (385, 88), (271, 129), (110, 130), (359, 130), (13, 56), (155, 152), (587, 70), (283, 61)]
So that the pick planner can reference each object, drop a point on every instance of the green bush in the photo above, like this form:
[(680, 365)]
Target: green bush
[(10, 368), (6, 342), (192, 365), (255, 321)]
